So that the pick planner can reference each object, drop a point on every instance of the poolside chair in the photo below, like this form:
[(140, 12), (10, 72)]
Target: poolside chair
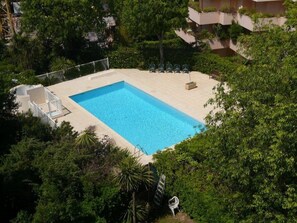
[(176, 68), (169, 67), (161, 68), (186, 68), (152, 67)]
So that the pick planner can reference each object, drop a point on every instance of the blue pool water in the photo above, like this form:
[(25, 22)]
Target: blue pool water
[(141, 119)]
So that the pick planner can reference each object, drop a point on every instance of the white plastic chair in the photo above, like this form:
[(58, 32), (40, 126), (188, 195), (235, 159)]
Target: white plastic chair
[(173, 204)]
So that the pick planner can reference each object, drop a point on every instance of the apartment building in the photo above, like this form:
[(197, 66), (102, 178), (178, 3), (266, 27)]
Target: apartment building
[(213, 17)]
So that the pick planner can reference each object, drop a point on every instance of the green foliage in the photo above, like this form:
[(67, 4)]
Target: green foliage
[(221, 31), (87, 139), (7, 104), (161, 16), (27, 77), (195, 5), (192, 182), (86, 69), (209, 9), (253, 147), (227, 9), (208, 63), (62, 24), (131, 175), (291, 13), (61, 63), (125, 58), (27, 53), (235, 30), (203, 62), (72, 73), (69, 186)]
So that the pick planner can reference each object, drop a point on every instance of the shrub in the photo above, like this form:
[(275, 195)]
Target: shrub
[(234, 31), (209, 62), (195, 5), (125, 58), (227, 9), (61, 63), (209, 9)]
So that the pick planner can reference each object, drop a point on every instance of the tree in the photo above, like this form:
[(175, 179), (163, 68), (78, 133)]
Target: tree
[(253, 134), (291, 13), (7, 98), (27, 53), (62, 24), (87, 139), (154, 17), (131, 175)]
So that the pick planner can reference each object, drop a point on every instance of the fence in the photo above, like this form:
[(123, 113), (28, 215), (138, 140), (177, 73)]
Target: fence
[(36, 110), (54, 103), (74, 72)]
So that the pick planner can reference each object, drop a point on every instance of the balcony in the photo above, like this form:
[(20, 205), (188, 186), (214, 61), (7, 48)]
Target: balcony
[(248, 23), (236, 47), (203, 18), (217, 44), (225, 18), (187, 37)]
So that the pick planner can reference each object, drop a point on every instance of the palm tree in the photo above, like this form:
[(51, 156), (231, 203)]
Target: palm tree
[(87, 139), (131, 176)]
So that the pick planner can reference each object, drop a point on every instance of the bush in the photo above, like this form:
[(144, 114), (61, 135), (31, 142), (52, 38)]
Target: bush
[(209, 9), (200, 194), (235, 31), (61, 63), (125, 58), (141, 58), (209, 62)]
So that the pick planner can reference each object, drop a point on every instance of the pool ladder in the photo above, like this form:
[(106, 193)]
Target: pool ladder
[(137, 151)]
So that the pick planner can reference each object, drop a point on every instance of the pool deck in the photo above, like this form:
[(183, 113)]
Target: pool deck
[(168, 87)]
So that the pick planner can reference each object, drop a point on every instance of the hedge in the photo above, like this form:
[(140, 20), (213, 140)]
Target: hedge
[(209, 63), (198, 61)]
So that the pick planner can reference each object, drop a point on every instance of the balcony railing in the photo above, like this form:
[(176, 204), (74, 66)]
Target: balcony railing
[(207, 18), (203, 18), (187, 37), (248, 23)]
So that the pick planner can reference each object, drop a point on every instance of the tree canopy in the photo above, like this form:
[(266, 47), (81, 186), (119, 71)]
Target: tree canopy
[(62, 24), (154, 17)]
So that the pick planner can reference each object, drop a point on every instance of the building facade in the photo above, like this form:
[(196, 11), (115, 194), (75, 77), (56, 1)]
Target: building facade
[(215, 22)]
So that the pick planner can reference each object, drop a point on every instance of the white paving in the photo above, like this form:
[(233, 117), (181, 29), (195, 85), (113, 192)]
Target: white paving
[(168, 87)]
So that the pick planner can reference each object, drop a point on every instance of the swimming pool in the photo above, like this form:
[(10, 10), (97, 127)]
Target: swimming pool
[(140, 118)]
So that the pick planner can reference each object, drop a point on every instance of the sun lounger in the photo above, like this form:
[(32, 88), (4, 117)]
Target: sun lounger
[(186, 68), (169, 68), (161, 68), (152, 67), (176, 68)]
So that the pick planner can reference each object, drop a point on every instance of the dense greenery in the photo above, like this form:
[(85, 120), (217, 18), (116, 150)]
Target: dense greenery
[(246, 158), (204, 62), (153, 18), (61, 25), (58, 175)]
